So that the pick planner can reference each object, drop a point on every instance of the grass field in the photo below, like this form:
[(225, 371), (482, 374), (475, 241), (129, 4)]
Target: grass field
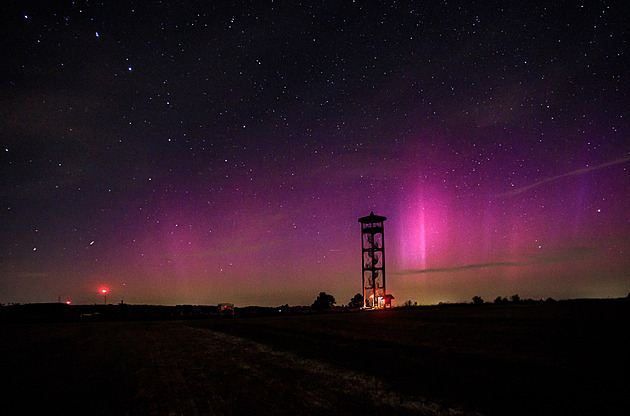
[(560, 358)]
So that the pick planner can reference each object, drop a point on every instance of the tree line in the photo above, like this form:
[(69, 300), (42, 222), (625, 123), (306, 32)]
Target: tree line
[(326, 301)]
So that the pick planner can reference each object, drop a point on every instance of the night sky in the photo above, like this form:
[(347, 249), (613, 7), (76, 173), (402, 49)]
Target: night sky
[(206, 152)]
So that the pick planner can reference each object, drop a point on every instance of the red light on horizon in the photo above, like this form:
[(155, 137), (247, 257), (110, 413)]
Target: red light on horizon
[(68, 302), (104, 291)]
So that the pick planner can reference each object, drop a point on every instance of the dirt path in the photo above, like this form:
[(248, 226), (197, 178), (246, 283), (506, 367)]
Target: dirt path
[(170, 368), (193, 371), (521, 360)]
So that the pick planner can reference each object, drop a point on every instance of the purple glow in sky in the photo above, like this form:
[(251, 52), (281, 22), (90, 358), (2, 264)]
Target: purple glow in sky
[(195, 154)]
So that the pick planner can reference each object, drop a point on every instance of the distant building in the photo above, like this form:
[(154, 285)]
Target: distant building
[(388, 300), (226, 308)]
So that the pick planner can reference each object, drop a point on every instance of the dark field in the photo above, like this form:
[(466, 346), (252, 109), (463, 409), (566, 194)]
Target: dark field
[(552, 358)]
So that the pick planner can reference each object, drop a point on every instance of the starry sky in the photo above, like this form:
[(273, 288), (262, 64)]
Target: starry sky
[(204, 152)]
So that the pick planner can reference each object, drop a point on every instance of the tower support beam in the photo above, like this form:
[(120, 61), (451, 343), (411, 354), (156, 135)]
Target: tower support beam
[(373, 262)]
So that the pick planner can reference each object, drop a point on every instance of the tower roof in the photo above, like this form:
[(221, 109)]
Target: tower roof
[(370, 219)]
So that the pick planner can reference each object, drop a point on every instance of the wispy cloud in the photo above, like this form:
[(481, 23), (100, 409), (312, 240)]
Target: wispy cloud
[(563, 255), (460, 268), (32, 274), (564, 175)]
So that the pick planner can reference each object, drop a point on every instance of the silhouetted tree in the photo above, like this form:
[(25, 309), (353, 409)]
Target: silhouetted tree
[(324, 301), (477, 300), (515, 298), (356, 301), (499, 299)]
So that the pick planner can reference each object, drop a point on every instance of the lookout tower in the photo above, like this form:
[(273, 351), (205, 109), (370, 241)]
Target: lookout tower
[(373, 253)]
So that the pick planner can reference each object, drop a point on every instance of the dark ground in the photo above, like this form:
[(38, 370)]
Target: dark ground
[(559, 358), (544, 358)]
